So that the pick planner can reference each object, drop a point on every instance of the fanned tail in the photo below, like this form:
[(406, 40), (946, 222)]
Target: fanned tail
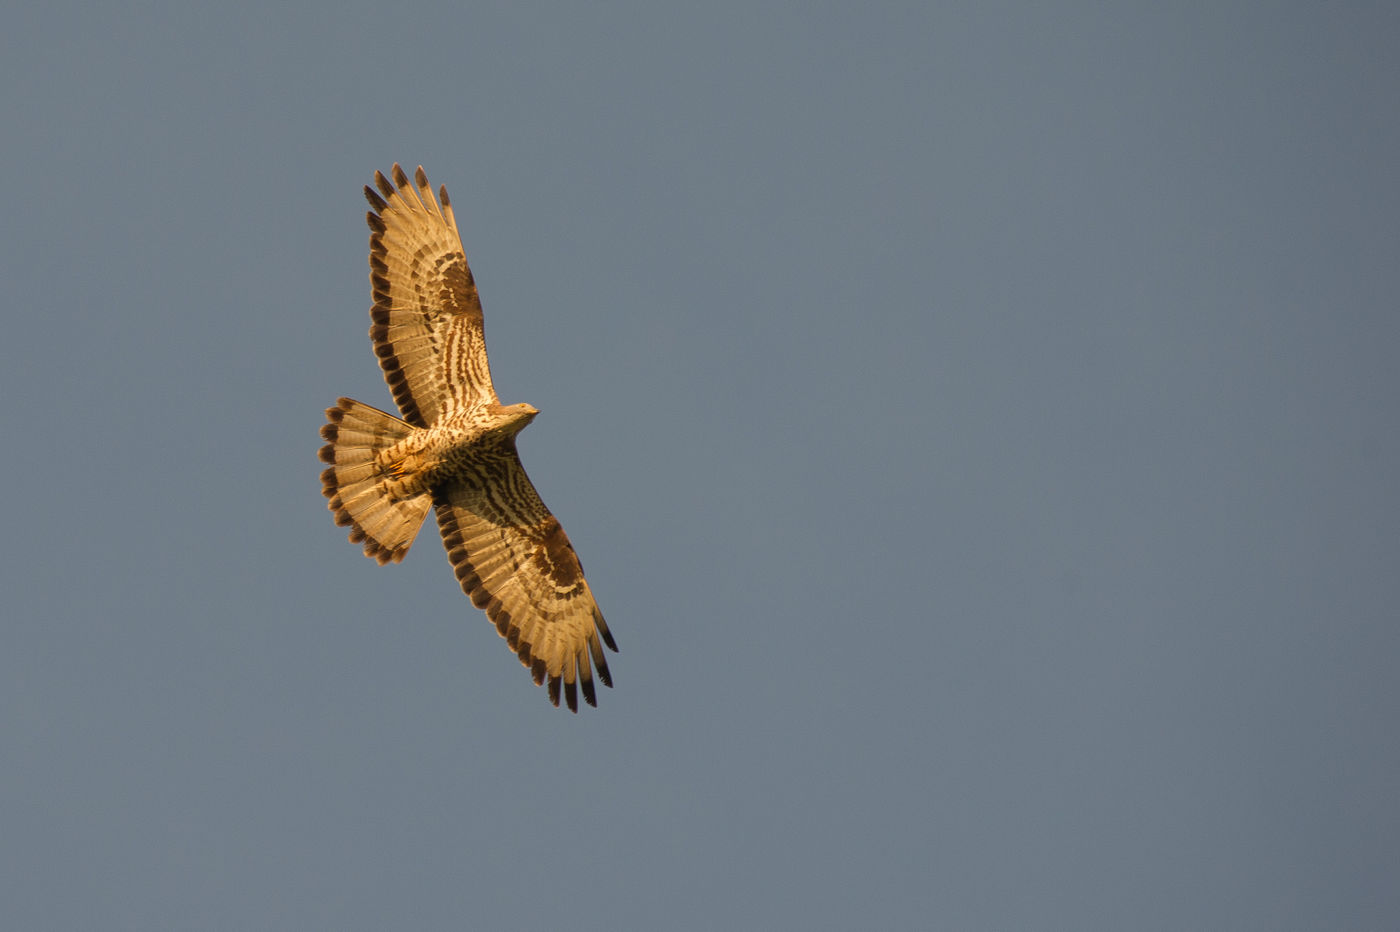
[(358, 486)]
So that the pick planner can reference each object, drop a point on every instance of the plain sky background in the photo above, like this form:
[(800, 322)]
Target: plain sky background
[(978, 422)]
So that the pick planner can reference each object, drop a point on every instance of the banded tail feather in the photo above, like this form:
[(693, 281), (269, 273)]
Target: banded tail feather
[(360, 488)]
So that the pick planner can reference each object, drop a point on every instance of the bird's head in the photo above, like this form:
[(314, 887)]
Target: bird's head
[(511, 419)]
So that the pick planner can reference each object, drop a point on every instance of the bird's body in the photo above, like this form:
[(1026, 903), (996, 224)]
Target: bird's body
[(453, 452), (470, 448)]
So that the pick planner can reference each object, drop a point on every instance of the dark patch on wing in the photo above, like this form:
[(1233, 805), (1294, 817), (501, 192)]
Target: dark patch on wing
[(556, 558)]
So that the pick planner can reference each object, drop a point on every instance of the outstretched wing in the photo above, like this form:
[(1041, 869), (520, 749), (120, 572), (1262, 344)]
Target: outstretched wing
[(427, 328), (516, 563)]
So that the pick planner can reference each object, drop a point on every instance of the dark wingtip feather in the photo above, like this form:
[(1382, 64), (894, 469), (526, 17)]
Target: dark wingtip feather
[(554, 691), (383, 184), (421, 177), (600, 660), (442, 194), (375, 201), (571, 695), (400, 178)]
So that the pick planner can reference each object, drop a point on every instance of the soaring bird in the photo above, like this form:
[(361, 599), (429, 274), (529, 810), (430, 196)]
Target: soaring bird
[(453, 451)]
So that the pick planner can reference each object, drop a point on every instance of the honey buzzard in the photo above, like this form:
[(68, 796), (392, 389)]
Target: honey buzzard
[(454, 450)]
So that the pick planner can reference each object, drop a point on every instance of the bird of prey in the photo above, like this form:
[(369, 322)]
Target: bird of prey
[(454, 450)]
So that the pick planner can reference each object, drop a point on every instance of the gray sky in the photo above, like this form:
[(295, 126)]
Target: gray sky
[(978, 422)]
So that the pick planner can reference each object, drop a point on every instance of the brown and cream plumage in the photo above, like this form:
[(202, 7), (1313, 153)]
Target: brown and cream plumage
[(454, 450)]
